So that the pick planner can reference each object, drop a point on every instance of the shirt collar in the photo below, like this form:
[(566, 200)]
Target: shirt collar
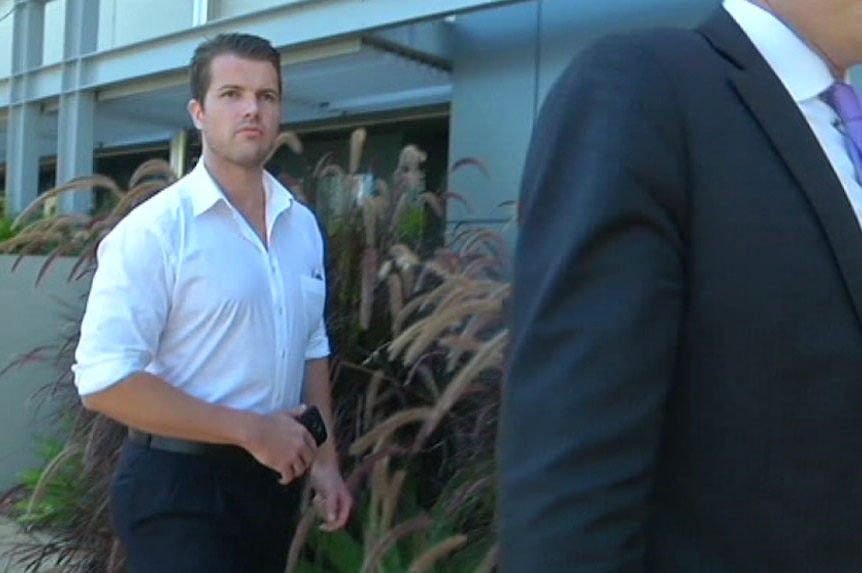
[(803, 72), (206, 193)]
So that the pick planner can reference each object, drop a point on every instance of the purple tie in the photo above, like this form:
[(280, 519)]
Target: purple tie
[(844, 100)]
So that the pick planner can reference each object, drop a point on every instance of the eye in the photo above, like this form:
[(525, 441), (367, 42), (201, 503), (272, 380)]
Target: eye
[(230, 94), (269, 97)]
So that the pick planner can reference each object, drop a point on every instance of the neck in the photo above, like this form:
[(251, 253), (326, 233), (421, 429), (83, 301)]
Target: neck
[(243, 186), (802, 24)]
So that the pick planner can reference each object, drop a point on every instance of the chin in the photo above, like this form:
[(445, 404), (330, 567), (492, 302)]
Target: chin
[(257, 159)]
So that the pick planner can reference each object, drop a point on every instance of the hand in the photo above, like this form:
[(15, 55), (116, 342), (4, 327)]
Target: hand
[(332, 499), (283, 444)]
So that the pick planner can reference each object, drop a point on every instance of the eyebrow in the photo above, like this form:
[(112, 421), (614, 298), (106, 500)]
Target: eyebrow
[(241, 88)]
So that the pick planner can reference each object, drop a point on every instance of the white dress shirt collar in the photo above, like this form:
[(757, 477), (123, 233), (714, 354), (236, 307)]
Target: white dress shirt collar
[(208, 193), (803, 71)]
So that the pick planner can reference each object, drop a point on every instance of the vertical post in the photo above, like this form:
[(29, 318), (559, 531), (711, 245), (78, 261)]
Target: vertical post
[(22, 144), (75, 141), (75, 138), (201, 12), (179, 147)]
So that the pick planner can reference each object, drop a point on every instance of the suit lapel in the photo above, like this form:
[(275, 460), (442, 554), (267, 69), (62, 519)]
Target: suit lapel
[(766, 98)]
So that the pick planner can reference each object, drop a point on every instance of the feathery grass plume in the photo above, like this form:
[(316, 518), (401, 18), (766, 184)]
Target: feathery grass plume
[(444, 320), (382, 189), (86, 543), (68, 454), (468, 340), (460, 290), (403, 256), (423, 372), (489, 562), (287, 139), (396, 297), (471, 161), (77, 184), (374, 557), (458, 344), (371, 395), (434, 202), (376, 437), (300, 535), (369, 282), (377, 486), (357, 143), (370, 216), (463, 494), (489, 356), (431, 556), (398, 213), (407, 312), (389, 499)]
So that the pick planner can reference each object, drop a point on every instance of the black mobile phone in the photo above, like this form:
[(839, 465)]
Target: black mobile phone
[(313, 422)]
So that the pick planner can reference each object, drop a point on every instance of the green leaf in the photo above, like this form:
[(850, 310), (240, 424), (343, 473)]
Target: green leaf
[(341, 550)]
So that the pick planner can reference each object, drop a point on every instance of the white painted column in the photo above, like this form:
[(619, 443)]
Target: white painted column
[(178, 152), (75, 136), (22, 155)]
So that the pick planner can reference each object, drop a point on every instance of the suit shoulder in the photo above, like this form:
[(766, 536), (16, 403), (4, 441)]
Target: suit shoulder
[(658, 38), (645, 61), (644, 51)]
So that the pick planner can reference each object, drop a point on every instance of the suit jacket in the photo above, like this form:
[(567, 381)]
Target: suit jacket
[(685, 383)]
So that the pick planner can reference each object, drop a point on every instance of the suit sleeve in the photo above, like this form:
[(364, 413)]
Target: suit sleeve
[(598, 291)]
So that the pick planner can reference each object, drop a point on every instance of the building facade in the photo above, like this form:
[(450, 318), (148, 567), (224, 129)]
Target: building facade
[(82, 79)]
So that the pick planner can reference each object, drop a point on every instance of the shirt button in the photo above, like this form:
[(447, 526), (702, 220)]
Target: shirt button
[(283, 353), (281, 311)]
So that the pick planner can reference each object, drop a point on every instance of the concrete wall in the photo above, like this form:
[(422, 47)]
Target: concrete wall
[(506, 61), (31, 317)]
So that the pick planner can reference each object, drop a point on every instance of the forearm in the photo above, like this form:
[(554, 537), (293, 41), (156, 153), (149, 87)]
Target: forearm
[(149, 403), (316, 391)]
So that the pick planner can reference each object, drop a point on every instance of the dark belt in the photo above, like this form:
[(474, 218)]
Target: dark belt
[(190, 447)]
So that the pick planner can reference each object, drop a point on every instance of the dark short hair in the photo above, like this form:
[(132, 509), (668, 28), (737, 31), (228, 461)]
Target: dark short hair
[(243, 45)]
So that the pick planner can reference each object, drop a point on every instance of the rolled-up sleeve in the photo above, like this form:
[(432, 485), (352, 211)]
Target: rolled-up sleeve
[(126, 309)]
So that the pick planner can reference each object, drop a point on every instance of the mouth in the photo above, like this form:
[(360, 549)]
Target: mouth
[(250, 130)]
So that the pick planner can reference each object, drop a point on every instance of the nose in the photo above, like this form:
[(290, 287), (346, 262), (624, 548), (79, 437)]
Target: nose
[(251, 106)]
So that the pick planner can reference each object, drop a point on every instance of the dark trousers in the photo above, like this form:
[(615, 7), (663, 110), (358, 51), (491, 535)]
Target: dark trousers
[(183, 513)]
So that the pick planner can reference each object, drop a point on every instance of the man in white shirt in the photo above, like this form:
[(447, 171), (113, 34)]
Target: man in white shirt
[(685, 384), (204, 334)]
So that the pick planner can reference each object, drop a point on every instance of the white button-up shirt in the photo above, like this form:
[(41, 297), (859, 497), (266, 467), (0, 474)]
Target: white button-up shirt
[(185, 290), (806, 76)]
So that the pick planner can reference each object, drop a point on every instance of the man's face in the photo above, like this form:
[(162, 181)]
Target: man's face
[(241, 112)]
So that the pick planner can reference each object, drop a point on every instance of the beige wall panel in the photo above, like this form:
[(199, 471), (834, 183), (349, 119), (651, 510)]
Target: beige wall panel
[(55, 28), (123, 22), (6, 38), (228, 8)]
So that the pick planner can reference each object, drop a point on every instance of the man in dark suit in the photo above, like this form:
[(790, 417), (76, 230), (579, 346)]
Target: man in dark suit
[(685, 386)]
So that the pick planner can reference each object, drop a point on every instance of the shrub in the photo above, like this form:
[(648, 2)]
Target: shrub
[(418, 337)]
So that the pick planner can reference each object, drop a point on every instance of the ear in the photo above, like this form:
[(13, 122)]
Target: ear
[(196, 112)]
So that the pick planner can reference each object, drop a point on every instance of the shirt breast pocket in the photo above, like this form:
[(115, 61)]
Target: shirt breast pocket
[(314, 300)]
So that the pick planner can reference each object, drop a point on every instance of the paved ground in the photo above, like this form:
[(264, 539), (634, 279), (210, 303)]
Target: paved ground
[(10, 534)]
